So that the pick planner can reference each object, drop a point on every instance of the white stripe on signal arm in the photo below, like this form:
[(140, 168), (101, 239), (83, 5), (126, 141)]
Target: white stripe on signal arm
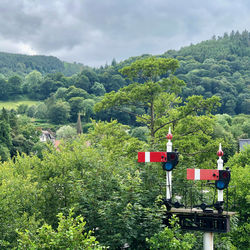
[(147, 156), (197, 174)]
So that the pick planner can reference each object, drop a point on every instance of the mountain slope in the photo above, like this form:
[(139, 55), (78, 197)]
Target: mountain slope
[(218, 67), (23, 64)]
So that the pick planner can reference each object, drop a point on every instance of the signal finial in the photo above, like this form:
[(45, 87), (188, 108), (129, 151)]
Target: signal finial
[(220, 152), (169, 136)]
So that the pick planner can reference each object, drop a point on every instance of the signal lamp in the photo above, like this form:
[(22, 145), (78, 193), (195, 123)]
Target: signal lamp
[(171, 161), (224, 179)]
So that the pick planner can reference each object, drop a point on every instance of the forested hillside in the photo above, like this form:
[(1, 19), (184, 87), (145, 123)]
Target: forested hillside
[(11, 64), (219, 66)]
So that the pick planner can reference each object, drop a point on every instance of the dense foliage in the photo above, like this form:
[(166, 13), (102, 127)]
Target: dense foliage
[(218, 67), (70, 234), (17, 135), (17, 63), (172, 238), (97, 174), (240, 167)]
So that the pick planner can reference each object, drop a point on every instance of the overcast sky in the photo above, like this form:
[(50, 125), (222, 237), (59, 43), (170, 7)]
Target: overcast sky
[(93, 32)]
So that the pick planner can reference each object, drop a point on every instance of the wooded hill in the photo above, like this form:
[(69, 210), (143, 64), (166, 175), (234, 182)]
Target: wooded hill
[(11, 64), (219, 66)]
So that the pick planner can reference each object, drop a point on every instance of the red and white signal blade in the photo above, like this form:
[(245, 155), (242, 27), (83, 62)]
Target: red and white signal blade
[(202, 174), (152, 156)]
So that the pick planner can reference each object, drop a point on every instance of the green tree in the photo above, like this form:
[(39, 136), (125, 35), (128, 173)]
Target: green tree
[(61, 93), (115, 83), (239, 165), (144, 95), (24, 136), (72, 91), (158, 96), (31, 83), (109, 193), (172, 238), (31, 111), (14, 87), (4, 89), (4, 153), (98, 89), (79, 124), (22, 109), (141, 133), (58, 112), (19, 198), (5, 130), (239, 195), (41, 111), (88, 109), (49, 86), (66, 132), (90, 73), (70, 234), (76, 106), (82, 82)]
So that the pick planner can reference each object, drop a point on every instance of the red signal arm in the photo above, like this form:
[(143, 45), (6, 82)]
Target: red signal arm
[(152, 156), (202, 174)]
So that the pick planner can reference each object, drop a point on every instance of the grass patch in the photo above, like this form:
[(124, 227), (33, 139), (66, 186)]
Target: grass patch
[(14, 104)]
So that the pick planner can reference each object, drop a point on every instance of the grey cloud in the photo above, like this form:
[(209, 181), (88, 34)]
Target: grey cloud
[(48, 25), (94, 32), (15, 23)]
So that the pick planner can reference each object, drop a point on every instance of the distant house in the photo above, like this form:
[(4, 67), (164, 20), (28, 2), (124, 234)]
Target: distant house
[(242, 143), (47, 136)]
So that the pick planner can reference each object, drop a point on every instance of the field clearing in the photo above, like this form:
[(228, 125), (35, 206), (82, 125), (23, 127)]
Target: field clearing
[(14, 104)]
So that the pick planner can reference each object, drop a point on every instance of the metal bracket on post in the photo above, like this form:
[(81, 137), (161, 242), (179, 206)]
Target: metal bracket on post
[(169, 204)]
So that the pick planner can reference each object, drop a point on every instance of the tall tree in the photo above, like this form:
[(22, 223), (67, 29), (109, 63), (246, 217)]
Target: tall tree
[(155, 89), (76, 106), (31, 83), (5, 136), (4, 89), (58, 112), (14, 83), (79, 124)]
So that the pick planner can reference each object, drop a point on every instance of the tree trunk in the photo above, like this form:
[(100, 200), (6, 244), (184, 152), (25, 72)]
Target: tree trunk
[(152, 132)]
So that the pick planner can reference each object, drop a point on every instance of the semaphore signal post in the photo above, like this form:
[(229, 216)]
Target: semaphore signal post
[(169, 160), (199, 217)]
